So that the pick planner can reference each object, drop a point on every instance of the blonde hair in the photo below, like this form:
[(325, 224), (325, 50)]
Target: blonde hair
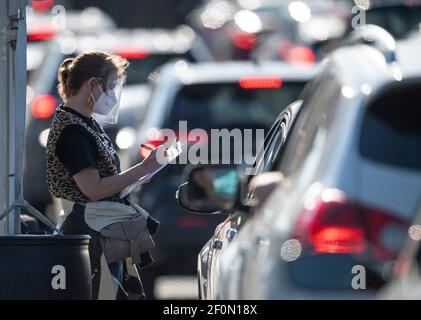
[(74, 72)]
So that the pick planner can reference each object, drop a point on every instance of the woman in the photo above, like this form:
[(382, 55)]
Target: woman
[(82, 164)]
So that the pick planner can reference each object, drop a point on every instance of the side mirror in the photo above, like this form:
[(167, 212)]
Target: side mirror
[(209, 190)]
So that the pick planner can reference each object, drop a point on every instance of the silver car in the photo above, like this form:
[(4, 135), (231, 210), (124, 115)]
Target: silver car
[(351, 183)]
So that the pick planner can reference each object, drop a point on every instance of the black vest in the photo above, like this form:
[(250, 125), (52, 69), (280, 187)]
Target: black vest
[(59, 181)]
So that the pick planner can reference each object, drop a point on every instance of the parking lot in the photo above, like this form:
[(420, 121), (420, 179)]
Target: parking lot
[(222, 150)]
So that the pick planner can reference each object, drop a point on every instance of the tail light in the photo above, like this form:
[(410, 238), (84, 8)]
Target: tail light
[(244, 40), (42, 5), (296, 54), (132, 53), (43, 106), (337, 226), (260, 83), (301, 55), (42, 33)]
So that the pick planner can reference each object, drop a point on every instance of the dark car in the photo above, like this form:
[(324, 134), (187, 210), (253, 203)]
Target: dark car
[(400, 18)]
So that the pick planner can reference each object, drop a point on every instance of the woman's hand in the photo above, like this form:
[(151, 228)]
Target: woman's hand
[(155, 159), (97, 188)]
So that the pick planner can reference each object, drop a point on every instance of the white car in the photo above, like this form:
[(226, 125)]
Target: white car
[(57, 21), (170, 81), (351, 183)]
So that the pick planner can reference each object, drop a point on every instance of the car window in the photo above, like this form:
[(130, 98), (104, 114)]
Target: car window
[(316, 113), (391, 130), (398, 20), (278, 147), (140, 69), (274, 149), (264, 157), (228, 105)]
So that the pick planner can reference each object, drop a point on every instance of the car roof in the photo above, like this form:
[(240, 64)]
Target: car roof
[(315, 5), (409, 53), (373, 69), (231, 71), (91, 20), (374, 4), (155, 41)]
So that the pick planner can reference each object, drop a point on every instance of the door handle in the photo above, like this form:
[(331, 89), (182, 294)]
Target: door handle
[(218, 244)]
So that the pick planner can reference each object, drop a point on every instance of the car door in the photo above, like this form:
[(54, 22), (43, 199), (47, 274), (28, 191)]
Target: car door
[(266, 159)]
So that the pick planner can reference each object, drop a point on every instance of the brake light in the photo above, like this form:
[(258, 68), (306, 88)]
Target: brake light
[(300, 55), (131, 52), (42, 5), (42, 33), (43, 106), (296, 54), (337, 226), (244, 40), (260, 83), (339, 240)]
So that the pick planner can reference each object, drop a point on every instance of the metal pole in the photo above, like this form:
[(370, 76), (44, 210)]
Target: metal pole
[(13, 218), (12, 108), (4, 103)]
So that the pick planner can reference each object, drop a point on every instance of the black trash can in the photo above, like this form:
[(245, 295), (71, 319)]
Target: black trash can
[(45, 268)]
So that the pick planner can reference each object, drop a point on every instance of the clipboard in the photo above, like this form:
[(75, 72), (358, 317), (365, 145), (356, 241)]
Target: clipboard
[(172, 153)]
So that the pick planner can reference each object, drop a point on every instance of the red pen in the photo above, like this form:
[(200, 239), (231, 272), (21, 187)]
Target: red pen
[(147, 147), (151, 149)]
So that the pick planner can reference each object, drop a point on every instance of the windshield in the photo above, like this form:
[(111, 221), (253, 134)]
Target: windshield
[(228, 105), (139, 69), (398, 20)]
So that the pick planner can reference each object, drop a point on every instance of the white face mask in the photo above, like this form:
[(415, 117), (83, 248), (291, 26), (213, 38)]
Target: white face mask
[(105, 103)]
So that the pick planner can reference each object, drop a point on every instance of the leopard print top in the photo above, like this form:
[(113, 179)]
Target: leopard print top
[(59, 181)]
